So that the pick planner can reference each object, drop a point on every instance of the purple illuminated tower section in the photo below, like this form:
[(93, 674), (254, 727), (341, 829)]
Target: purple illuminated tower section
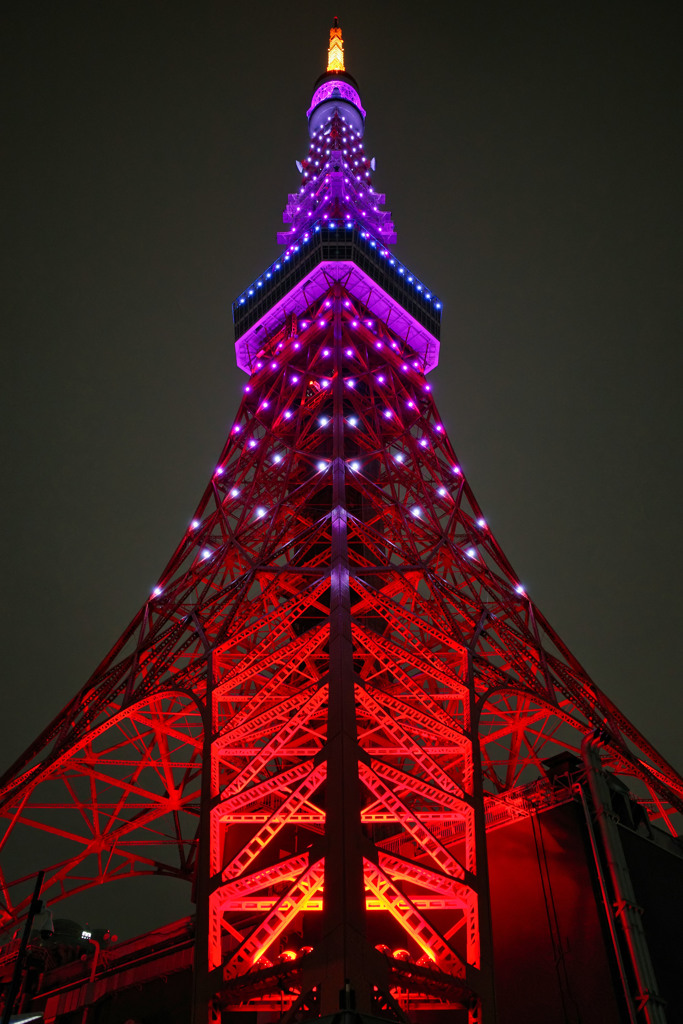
[(339, 717), (336, 216)]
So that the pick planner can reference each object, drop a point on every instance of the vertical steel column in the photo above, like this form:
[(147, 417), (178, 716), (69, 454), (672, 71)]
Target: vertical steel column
[(344, 943), (649, 1004), (15, 983), (203, 1010), (609, 909), (484, 984)]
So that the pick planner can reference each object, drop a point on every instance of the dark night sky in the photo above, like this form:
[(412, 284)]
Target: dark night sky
[(531, 155)]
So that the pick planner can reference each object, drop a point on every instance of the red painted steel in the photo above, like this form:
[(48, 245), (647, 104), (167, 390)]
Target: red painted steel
[(116, 778), (376, 685)]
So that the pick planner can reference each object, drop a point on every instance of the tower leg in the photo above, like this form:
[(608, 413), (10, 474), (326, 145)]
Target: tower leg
[(204, 1010), (344, 932)]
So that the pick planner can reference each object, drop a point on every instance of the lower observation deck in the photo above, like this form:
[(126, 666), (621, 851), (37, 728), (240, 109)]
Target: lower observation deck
[(305, 272)]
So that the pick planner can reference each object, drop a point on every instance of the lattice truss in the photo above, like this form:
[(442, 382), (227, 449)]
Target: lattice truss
[(445, 644), (336, 182)]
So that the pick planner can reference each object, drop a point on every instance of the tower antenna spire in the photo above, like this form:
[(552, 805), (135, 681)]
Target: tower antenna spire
[(335, 50)]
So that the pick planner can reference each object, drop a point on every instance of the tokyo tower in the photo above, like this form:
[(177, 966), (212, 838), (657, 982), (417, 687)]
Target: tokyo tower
[(339, 693)]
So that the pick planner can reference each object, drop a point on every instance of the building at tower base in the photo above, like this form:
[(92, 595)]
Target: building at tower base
[(556, 947)]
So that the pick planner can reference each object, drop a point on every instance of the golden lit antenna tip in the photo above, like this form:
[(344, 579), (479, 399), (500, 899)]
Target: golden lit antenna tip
[(335, 51)]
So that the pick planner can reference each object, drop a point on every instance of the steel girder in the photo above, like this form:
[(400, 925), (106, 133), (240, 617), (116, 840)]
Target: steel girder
[(340, 642)]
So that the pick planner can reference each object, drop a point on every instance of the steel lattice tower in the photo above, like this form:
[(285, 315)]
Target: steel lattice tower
[(339, 683)]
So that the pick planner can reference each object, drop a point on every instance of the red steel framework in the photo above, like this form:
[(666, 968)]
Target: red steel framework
[(339, 683)]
